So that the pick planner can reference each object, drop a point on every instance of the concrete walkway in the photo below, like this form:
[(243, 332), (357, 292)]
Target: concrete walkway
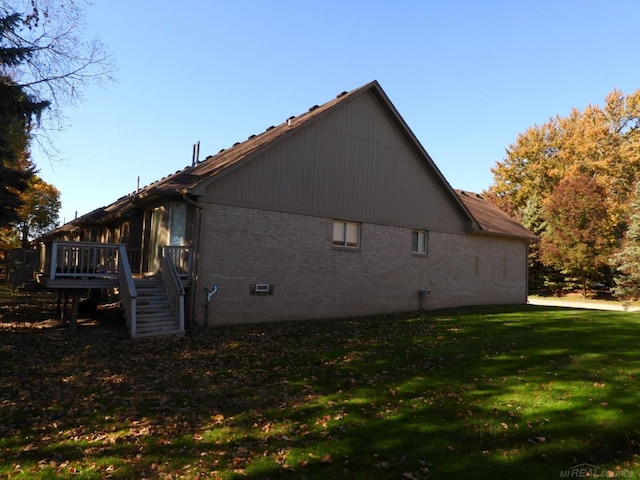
[(558, 302)]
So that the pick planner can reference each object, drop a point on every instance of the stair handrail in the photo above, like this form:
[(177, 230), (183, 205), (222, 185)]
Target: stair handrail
[(174, 288), (128, 293)]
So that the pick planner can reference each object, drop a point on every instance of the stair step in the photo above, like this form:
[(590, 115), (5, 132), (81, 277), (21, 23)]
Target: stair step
[(147, 327), (153, 299), (157, 323), (157, 315), (163, 333), (152, 316), (150, 310), (154, 303), (153, 310)]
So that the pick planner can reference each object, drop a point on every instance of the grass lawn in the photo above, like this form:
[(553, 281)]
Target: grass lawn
[(482, 393)]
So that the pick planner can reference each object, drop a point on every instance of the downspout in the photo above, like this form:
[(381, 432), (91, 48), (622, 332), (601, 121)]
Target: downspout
[(195, 259), (210, 293)]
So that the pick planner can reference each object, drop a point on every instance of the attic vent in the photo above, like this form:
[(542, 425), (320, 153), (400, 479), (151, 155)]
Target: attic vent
[(221, 150), (209, 156), (237, 143), (463, 192), (478, 196), (342, 94), (270, 128), (250, 137), (313, 108)]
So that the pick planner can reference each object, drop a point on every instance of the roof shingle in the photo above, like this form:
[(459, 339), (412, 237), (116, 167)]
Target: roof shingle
[(491, 219), (488, 218)]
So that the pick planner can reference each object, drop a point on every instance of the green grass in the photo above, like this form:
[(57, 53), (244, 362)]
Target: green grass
[(484, 393)]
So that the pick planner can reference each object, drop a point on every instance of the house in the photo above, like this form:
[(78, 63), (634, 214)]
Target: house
[(337, 212)]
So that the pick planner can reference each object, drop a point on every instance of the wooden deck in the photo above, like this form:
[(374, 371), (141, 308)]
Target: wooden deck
[(79, 266)]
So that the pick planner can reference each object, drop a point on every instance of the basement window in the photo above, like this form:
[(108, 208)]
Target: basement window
[(346, 234), (420, 241)]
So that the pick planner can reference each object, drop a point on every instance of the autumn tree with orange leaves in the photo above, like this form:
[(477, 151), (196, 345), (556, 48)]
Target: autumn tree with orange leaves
[(577, 239), (601, 144), (40, 210)]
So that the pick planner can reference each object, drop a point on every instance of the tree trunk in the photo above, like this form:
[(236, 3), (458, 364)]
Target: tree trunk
[(25, 235)]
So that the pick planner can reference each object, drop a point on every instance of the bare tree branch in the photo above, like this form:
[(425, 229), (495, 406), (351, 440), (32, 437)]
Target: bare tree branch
[(61, 63)]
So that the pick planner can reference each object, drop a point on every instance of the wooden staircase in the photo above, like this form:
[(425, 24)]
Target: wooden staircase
[(154, 316)]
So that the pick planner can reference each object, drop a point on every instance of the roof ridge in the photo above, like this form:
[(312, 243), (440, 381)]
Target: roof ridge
[(291, 122), (214, 164)]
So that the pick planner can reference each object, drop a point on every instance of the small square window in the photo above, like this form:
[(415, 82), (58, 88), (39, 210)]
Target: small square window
[(346, 234), (419, 241)]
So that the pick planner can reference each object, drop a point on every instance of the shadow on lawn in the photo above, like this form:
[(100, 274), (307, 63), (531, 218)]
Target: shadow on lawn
[(486, 392)]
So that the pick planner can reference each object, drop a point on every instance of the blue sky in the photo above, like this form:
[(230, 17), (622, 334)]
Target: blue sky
[(466, 76)]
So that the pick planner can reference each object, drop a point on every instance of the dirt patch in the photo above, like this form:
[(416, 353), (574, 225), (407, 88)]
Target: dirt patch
[(41, 310)]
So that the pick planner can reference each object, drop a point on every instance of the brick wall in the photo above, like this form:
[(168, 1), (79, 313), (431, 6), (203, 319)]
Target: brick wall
[(313, 279)]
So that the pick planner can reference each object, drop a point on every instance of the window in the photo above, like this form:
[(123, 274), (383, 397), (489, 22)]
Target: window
[(419, 241), (178, 224), (346, 234)]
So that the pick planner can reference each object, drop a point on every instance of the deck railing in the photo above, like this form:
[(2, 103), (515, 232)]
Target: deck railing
[(88, 260), (181, 257), (106, 265), (135, 259), (83, 260), (173, 286)]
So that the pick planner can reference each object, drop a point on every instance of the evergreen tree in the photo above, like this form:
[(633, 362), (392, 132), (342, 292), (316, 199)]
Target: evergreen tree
[(17, 112), (45, 52), (627, 260)]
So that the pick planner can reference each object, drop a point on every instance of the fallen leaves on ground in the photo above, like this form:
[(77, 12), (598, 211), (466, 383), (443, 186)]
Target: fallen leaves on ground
[(224, 401)]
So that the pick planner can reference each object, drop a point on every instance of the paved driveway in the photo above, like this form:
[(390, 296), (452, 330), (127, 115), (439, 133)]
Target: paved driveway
[(557, 302)]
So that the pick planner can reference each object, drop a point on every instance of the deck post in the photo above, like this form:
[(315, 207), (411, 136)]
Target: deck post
[(54, 260), (58, 312), (75, 308), (63, 312)]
